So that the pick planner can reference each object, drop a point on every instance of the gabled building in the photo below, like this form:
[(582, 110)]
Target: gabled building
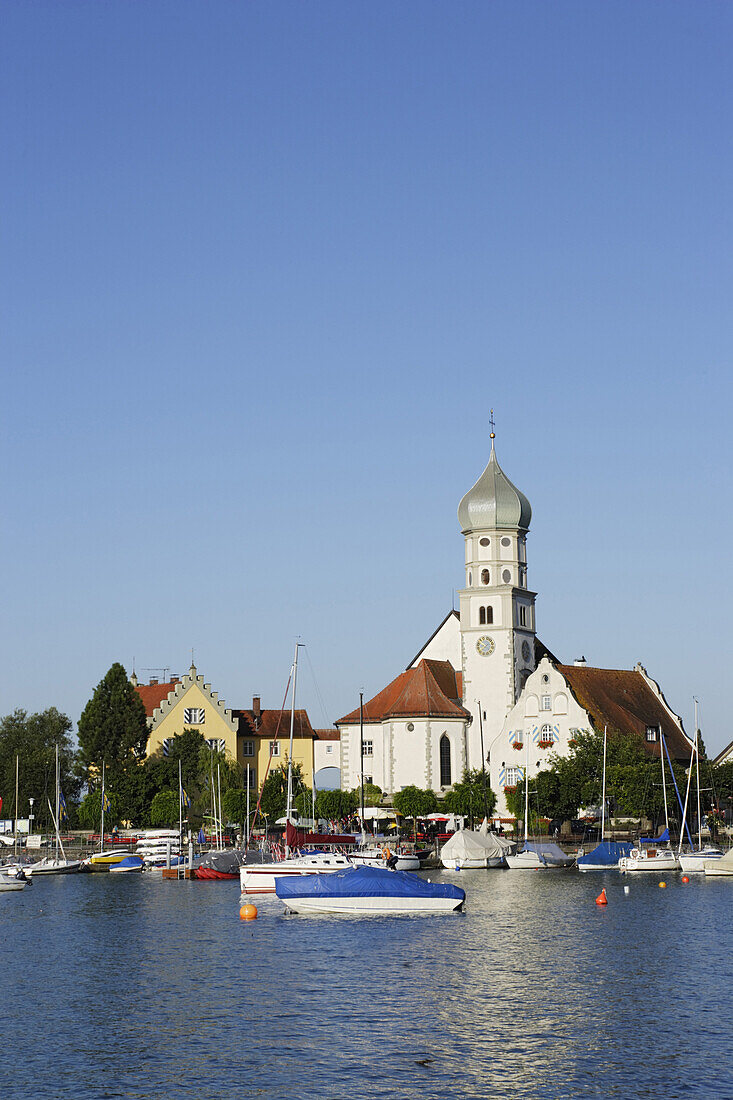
[(187, 703), (264, 737), (725, 756), (415, 732), (559, 701)]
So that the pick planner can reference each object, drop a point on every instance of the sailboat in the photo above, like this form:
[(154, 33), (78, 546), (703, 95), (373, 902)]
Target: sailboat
[(694, 860), (57, 864), (259, 878), (608, 852), (101, 860), (536, 854), (658, 855)]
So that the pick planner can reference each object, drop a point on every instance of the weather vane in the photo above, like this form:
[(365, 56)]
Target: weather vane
[(491, 422)]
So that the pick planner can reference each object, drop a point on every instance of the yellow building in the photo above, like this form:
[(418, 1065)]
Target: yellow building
[(266, 735)]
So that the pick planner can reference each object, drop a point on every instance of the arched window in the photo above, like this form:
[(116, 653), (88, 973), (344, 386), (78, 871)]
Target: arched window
[(484, 576), (445, 770), (489, 615), (482, 616)]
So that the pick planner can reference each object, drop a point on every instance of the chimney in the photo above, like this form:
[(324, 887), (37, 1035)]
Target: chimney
[(580, 662), (153, 679), (256, 706)]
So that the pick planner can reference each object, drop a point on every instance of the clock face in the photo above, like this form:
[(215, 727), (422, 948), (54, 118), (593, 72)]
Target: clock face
[(525, 650), (485, 645)]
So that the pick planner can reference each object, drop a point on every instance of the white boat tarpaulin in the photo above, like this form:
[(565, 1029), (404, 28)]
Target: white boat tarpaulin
[(469, 845)]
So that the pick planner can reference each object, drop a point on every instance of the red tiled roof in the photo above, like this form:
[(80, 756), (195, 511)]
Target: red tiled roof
[(153, 695), (622, 700), (328, 735), (266, 724), (431, 690)]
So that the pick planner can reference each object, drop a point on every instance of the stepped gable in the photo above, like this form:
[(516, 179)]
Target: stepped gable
[(431, 690), (153, 695), (625, 700), (265, 724)]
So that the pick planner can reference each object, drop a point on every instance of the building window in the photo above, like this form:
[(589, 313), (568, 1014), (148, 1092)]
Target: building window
[(216, 744), (506, 542), (484, 542), (166, 744), (274, 748), (546, 703), (368, 780), (484, 576), (470, 579), (652, 733), (329, 748), (368, 748), (252, 778), (506, 576), (248, 748), (445, 769), (522, 616), (194, 716), (523, 578), (512, 777), (485, 616), (410, 726)]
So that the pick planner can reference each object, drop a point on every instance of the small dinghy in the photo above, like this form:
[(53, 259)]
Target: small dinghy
[(368, 891)]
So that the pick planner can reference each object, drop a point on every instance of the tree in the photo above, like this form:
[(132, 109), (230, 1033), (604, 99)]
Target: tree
[(467, 797), (33, 739), (113, 727), (274, 797), (90, 811), (164, 809), (234, 804), (335, 805), (415, 802), (372, 794)]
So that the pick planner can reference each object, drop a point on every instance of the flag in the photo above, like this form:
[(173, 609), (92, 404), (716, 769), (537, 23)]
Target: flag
[(186, 799), (63, 812), (105, 801), (202, 836)]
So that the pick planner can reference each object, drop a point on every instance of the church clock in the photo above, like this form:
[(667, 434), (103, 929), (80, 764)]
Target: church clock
[(485, 645)]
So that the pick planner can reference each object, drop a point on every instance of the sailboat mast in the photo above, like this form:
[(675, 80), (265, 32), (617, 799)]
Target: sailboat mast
[(221, 819), (58, 785), (526, 791), (361, 757), (289, 805), (687, 796), (101, 832), (603, 789), (15, 830), (697, 772), (664, 779)]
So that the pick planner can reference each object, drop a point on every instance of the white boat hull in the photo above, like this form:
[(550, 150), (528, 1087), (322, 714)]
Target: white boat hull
[(53, 867), (391, 906), (376, 859), (531, 861), (259, 878), (694, 862), (659, 860), (472, 864), (10, 882)]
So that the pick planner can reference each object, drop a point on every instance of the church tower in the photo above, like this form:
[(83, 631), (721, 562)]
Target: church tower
[(497, 607)]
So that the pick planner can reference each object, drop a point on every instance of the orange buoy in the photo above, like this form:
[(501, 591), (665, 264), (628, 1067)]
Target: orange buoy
[(248, 912), (602, 899), (662, 885), (685, 878)]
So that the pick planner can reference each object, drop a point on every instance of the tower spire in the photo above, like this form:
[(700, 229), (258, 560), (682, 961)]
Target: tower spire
[(492, 434)]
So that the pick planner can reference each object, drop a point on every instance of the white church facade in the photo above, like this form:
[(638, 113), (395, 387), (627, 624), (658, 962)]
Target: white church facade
[(483, 688)]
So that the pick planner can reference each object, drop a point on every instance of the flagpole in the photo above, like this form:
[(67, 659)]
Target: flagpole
[(180, 813), (101, 839)]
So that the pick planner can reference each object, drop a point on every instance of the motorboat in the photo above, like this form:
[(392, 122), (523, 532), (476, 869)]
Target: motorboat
[(219, 865), (650, 858), (127, 865), (12, 879), (259, 878), (102, 861), (539, 855), (605, 857), (368, 891), (694, 862), (720, 868), (376, 855), (467, 850)]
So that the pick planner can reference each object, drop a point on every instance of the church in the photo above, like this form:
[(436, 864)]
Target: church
[(483, 688)]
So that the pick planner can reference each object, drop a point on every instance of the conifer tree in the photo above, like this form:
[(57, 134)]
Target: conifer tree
[(113, 726)]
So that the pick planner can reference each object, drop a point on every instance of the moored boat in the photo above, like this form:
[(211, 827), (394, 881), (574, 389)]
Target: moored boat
[(219, 865), (376, 855), (13, 879), (539, 855), (694, 862), (259, 878), (650, 858), (721, 868), (368, 891), (606, 856), (467, 850), (127, 865)]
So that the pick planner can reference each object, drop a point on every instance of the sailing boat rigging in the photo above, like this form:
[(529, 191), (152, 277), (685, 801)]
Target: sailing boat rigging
[(536, 854), (57, 864), (608, 852), (694, 860)]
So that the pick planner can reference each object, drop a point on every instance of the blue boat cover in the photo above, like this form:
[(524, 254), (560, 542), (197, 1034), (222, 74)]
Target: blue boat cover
[(608, 853), (130, 861), (553, 853), (364, 882), (662, 839)]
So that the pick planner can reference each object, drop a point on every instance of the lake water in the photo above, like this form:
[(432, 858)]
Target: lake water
[(129, 986)]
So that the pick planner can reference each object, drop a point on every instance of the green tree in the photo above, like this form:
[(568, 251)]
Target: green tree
[(274, 797), (234, 804), (372, 794), (33, 739), (335, 805), (415, 802), (467, 797), (90, 811), (164, 809), (113, 727)]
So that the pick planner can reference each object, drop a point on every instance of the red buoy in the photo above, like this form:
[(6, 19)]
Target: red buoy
[(602, 899), (685, 878)]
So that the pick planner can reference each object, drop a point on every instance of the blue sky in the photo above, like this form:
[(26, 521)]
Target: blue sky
[(265, 268)]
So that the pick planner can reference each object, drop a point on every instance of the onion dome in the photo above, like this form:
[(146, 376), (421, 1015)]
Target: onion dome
[(493, 502)]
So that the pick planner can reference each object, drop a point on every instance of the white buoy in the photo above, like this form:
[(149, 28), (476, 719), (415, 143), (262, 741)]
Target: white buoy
[(626, 889)]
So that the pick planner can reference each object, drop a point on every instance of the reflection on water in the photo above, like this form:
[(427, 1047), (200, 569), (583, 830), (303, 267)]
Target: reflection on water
[(135, 987)]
